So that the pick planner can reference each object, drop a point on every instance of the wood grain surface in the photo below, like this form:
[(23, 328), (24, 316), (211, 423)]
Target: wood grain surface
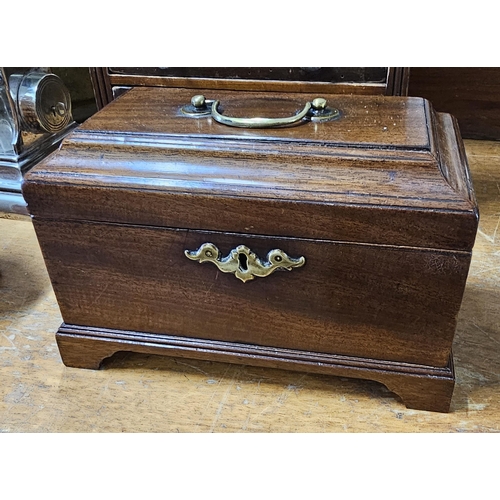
[(472, 95), (109, 82), (378, 302), (148, 393), (365, 120), (420, 387), (353, 298), (387, 172)]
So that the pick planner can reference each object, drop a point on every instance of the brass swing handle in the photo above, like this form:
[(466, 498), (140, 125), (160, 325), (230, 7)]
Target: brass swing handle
[(317, 110), (243, 263)]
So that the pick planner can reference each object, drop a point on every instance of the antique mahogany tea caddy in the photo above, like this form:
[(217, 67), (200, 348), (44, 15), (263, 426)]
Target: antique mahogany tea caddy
[(334, 238)]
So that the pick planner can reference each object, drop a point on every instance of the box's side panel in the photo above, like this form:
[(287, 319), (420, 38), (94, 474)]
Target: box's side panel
[(369, 301)]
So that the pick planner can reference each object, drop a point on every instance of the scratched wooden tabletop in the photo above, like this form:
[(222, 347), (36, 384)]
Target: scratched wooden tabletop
[(139, 393)]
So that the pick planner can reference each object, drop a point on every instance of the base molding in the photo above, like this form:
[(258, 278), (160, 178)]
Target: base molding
[(420, 387)]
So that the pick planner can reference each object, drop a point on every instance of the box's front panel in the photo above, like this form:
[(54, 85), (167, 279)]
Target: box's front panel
[(372, 301)]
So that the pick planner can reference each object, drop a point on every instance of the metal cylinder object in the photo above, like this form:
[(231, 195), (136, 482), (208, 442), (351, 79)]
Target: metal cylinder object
[(43, 101)]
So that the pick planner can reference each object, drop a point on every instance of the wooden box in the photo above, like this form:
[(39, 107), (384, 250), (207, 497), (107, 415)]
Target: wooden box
[(336, 246)]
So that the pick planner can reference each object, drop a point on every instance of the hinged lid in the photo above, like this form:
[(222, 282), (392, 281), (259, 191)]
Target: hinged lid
[(387, 171)]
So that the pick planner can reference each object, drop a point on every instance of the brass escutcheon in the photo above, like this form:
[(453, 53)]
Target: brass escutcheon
[(243, 263)]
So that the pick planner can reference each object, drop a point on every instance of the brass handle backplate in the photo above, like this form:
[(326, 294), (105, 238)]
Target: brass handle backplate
[(315, 111), (243, 263)]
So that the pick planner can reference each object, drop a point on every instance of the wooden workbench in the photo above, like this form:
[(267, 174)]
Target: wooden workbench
[(140, 393)]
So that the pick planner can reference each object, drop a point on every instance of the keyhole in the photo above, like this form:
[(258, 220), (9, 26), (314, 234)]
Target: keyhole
[(242, 258)]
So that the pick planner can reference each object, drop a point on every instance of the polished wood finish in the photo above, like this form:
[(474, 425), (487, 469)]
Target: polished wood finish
[(377, 176), (110, 82), (262, 74), (472, 95), (101, 85), (140, 183), (418, 386), (387, 303), (137, 392), (366, 121), (398, 80)]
